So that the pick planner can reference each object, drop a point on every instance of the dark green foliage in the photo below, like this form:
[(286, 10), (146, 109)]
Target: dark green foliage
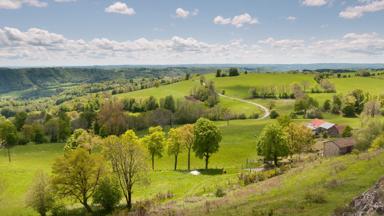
[(218, 73), (274, 114), (168, 103), (337, 104), (220, 192), (20, 118), (7, 113), (150, 104), (347, 131), (349, 111), (233, 72), (272, 143), (327, 105), (108, 193), (207, 139)]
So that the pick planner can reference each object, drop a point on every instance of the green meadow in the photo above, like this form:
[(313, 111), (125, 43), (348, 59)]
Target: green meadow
[(237, 146)]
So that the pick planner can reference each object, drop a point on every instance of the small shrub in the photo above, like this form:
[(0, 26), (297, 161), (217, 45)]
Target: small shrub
[(315, 196), (254, 116), (274, 114), (242, 116), (219, 192), (107, 194)]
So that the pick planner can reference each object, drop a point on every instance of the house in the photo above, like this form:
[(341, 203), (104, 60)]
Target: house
[(319, 126), (339, 146)]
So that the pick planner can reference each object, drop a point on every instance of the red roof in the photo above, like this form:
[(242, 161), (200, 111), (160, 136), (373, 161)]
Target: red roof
[(317, 123)]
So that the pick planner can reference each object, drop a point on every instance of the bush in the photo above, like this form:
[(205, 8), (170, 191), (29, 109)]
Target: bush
[(315, 196), (274, 114), (314, 113), (107, 194), (219, 192), (254, 116), (242, 116), (40, 196)]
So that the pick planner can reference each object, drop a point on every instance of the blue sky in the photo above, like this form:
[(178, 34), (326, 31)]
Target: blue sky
[(84, 32)]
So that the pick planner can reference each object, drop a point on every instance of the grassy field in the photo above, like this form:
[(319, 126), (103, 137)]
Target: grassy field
[(337, 181), (238, 144)]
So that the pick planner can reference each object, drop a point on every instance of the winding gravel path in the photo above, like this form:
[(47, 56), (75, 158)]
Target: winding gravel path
[(265, 109)]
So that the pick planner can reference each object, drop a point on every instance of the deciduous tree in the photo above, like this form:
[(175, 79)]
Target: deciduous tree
[(207, 139), (155, 142), (40, 196), (175, 143), (127, 156), (77, 174)]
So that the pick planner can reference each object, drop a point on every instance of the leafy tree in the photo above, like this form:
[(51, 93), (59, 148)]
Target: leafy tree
[(7, 113), (349, 106), (337, 104), (77, 174), (169, 103), (359, 96), (299, 138), (218, 73), (127, 157), (81, 138), (155, 142), (19, 120), (347, 131), (372, 108), (377, 143), (8, 135), (64, 125), (175, 143), (207, 139), (274, 114), (111, 118), (369, 130), (150, 104), (52, 127), (272, 143), (233, 72), (108, 193), (40, 196), (327, 105), (188, 139), (38, 133), (304, 104)]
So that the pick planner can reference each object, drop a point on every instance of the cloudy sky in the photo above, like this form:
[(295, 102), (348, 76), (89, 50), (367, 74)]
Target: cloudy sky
[(106, 32)]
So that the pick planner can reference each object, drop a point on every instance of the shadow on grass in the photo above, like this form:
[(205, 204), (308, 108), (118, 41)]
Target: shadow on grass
[(205, 172)]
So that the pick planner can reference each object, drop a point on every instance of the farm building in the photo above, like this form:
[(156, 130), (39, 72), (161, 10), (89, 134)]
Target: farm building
[(339, 146), (319, 126)]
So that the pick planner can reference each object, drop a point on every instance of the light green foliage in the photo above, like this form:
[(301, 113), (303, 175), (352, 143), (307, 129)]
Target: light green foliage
[(175, 143), (207, 139), (40, 195), (155, 141), (108, 193), (81, 138), (77, 175), (127, 157), (272, 143), (369, 130), (377, 143)]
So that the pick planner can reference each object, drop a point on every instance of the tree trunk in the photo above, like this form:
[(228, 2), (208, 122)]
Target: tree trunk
[(206, 162), (153, 161), (9, 155), (189, 159), (175, 162), (129, 203), (275, 160), (87, 207)]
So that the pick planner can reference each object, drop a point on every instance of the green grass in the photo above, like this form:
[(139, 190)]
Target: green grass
[(285, 195), (238, 144)]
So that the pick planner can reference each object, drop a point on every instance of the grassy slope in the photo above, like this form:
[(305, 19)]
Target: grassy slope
[(238, 144), (285, 194)]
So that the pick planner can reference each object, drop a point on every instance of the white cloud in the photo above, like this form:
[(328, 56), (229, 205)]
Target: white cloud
[(315, 3), (40, 47), (358, 11), (238, 21), (180, 12), (120, 8), (16, 4), (291, 18)]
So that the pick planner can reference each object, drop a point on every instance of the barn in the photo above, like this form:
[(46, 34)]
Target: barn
[(339, 146)]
